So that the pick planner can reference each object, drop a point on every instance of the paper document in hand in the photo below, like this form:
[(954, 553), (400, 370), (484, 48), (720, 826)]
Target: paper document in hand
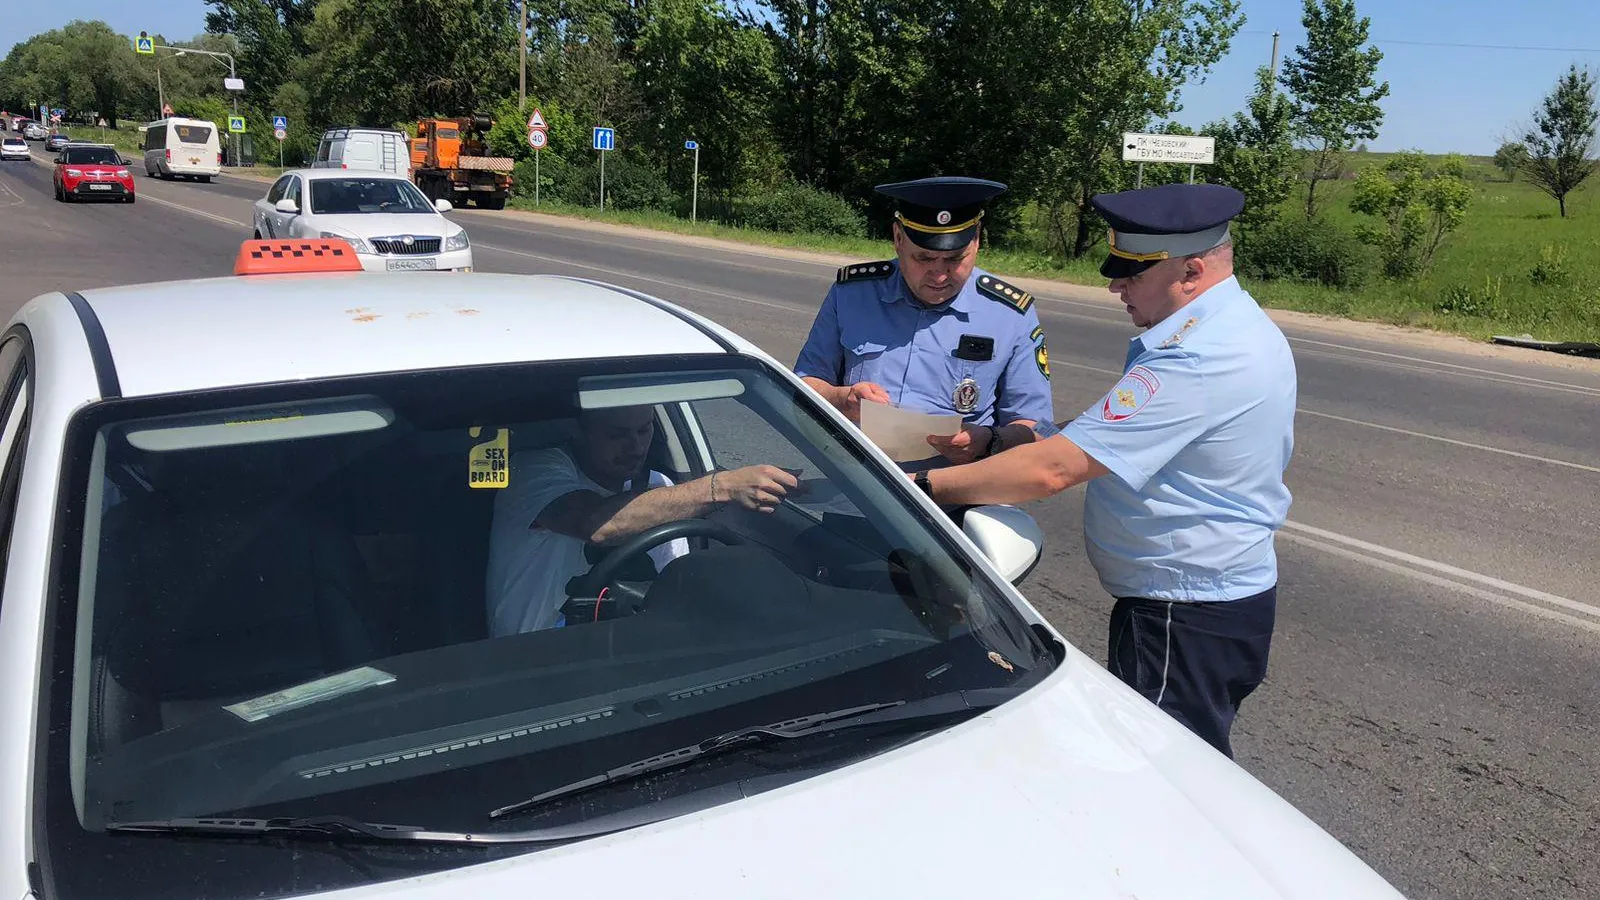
[(903, 433)]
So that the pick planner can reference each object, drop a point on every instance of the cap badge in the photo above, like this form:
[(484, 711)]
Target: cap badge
[(943, 217)]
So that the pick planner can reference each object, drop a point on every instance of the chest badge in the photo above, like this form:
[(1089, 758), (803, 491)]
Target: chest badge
[(965, 396)]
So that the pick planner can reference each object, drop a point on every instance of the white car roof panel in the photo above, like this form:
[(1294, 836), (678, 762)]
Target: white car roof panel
[(225, 332)]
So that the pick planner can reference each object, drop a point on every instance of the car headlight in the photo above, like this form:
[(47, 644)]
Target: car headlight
[(457, 241), (74, 173), (122, 173), (358, 244)]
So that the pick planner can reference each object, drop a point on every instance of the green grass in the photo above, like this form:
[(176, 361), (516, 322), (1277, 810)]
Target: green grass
[(1513, 267), (1011, 262), (1493, 276)]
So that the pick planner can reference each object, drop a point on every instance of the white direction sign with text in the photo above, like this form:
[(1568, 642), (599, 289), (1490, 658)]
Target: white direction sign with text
[(1168, 148)]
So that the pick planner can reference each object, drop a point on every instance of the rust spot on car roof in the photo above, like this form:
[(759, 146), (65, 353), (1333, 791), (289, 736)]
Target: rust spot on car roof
[(418, 315), (469, 311), (366, 317)]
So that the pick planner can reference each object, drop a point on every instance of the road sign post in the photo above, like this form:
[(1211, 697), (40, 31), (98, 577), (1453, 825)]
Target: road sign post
[(604, 139), (280, 130), (694, 184), (538, 138), (1141, 148)]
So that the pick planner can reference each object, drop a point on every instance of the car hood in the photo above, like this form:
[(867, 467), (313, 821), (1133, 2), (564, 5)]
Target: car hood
[(96, 168), (1080, 788), (370, 225)]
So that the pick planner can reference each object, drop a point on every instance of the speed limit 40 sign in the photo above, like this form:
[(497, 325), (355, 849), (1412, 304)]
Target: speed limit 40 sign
[(538, 139)]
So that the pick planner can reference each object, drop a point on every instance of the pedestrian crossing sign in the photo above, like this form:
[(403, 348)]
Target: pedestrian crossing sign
[(236, 124), (145, 44)]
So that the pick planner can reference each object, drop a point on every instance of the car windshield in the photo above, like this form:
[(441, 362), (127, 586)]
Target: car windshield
[(339, 196), (90, 156), (334, 597)]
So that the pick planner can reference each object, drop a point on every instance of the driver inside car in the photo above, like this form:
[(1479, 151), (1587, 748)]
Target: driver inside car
[(595, 492)]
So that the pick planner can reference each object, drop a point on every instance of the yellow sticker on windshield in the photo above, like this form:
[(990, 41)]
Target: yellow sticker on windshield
[(489, 465)]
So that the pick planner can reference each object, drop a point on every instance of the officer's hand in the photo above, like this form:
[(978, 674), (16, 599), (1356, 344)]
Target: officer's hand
[(862, 390), (756, 487), (964, 446)]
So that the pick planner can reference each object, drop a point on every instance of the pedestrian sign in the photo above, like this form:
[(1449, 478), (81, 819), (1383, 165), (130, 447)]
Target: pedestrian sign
[(145, 44), (280, 123), (605, 138), (236, 124)]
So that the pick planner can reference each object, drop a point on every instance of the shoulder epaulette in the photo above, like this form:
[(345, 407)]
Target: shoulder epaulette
[(995, 289), (865, 271)]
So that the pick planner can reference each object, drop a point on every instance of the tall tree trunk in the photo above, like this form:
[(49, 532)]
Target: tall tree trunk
[(1563, 201), (1081, 243)]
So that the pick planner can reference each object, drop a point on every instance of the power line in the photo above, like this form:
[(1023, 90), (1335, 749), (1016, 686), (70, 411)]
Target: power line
[(1470, 46)]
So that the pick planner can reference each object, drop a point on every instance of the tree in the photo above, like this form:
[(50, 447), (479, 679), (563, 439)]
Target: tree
[(1416, 204), (271, 36), (1336, 94), (1255, 153), (1561, 139), (1511, 156)]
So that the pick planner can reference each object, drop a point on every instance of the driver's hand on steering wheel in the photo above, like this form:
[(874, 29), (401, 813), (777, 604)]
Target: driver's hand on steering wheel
[(759, 488)]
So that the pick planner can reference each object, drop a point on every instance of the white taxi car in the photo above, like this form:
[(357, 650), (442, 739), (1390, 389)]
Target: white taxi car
[(246, 653), (388, 221)]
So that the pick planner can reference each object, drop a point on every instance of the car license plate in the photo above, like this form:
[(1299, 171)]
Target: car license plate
[(412, 264), (99, 187)]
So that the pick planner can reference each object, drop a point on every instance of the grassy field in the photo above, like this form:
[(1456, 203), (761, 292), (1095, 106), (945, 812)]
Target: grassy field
[(1514, 267)]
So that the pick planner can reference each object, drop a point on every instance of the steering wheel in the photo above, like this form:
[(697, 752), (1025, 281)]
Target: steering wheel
[(591, 582)]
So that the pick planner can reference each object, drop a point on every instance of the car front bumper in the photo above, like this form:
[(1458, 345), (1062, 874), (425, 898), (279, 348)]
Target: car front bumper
[(446, 261), (89, 188)]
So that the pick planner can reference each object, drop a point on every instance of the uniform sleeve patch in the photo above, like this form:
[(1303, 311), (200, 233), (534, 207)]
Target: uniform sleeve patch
[(1038, 332), (1130, 395), (1041, 358)]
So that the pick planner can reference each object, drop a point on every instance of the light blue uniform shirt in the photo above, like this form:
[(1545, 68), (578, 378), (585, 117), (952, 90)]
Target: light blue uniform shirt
[(874, 329), (1197, 435)]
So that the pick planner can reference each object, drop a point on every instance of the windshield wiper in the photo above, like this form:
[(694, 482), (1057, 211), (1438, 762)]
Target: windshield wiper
[(346, 829), (938, 706)]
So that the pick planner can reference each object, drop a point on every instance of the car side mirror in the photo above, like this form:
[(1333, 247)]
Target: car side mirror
[(286, 206), (124, 161), (1009, 537), (442, 205)]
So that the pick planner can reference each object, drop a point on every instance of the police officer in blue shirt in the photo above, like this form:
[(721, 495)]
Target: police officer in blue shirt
[(930, 331), (1184, 459)]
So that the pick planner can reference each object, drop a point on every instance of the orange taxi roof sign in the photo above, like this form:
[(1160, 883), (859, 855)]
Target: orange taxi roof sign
[(276, 257)]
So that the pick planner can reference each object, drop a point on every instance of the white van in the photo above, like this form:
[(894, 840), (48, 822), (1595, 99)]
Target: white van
[(370, 149), (189, 147)]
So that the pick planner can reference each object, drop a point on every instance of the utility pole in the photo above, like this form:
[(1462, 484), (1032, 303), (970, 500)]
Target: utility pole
[(522, 58), (161, 97), (1274, 55)]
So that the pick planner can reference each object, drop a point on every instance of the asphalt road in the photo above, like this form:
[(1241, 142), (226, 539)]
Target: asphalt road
[(1431, 699)]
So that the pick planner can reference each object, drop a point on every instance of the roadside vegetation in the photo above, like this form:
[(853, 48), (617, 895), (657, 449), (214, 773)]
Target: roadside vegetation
[(799, 109)]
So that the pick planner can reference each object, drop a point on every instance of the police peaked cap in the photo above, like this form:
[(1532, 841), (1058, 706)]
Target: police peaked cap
[(941, 213), (1166, 222)]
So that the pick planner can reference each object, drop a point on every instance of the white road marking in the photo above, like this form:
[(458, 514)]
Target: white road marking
[(195, 212), (1302, 410), (1472, 584), (620, 273), (1444, 440)]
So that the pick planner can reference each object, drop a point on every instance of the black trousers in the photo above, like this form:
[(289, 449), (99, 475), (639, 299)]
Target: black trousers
[(1197, 661)]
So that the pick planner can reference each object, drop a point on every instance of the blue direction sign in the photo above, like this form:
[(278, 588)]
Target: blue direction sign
[(691, 145), (280, 122), (605, 138)]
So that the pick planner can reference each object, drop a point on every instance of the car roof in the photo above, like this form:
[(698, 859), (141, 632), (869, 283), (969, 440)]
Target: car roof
[(319, 174), (233, 331)]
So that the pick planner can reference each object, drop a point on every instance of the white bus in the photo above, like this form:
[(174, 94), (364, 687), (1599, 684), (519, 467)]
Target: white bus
[(174, 147)]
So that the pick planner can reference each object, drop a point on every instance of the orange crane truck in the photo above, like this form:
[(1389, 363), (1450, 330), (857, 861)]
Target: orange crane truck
[(450, 160)]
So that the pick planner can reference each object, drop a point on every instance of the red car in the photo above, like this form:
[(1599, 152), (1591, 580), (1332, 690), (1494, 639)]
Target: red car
[(92, 170)]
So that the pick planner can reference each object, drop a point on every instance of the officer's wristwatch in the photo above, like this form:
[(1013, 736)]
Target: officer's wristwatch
[(921, 481), (996, 443)]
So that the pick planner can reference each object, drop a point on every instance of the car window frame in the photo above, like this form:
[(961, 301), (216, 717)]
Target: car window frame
[(278, 189), (16, 416)]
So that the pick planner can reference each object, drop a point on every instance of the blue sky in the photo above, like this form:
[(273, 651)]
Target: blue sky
[(1442, 98)]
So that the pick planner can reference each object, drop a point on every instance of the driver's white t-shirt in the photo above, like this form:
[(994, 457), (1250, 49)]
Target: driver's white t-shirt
[(529, 566)]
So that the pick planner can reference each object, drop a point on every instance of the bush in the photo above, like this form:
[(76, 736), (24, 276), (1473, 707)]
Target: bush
[(1551, 269), (1463, 300), (1301, 250), (794, 207)]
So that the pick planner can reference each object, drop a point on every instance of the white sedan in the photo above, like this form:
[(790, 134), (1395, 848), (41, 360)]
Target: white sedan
[(388, 221), (246, 649)]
